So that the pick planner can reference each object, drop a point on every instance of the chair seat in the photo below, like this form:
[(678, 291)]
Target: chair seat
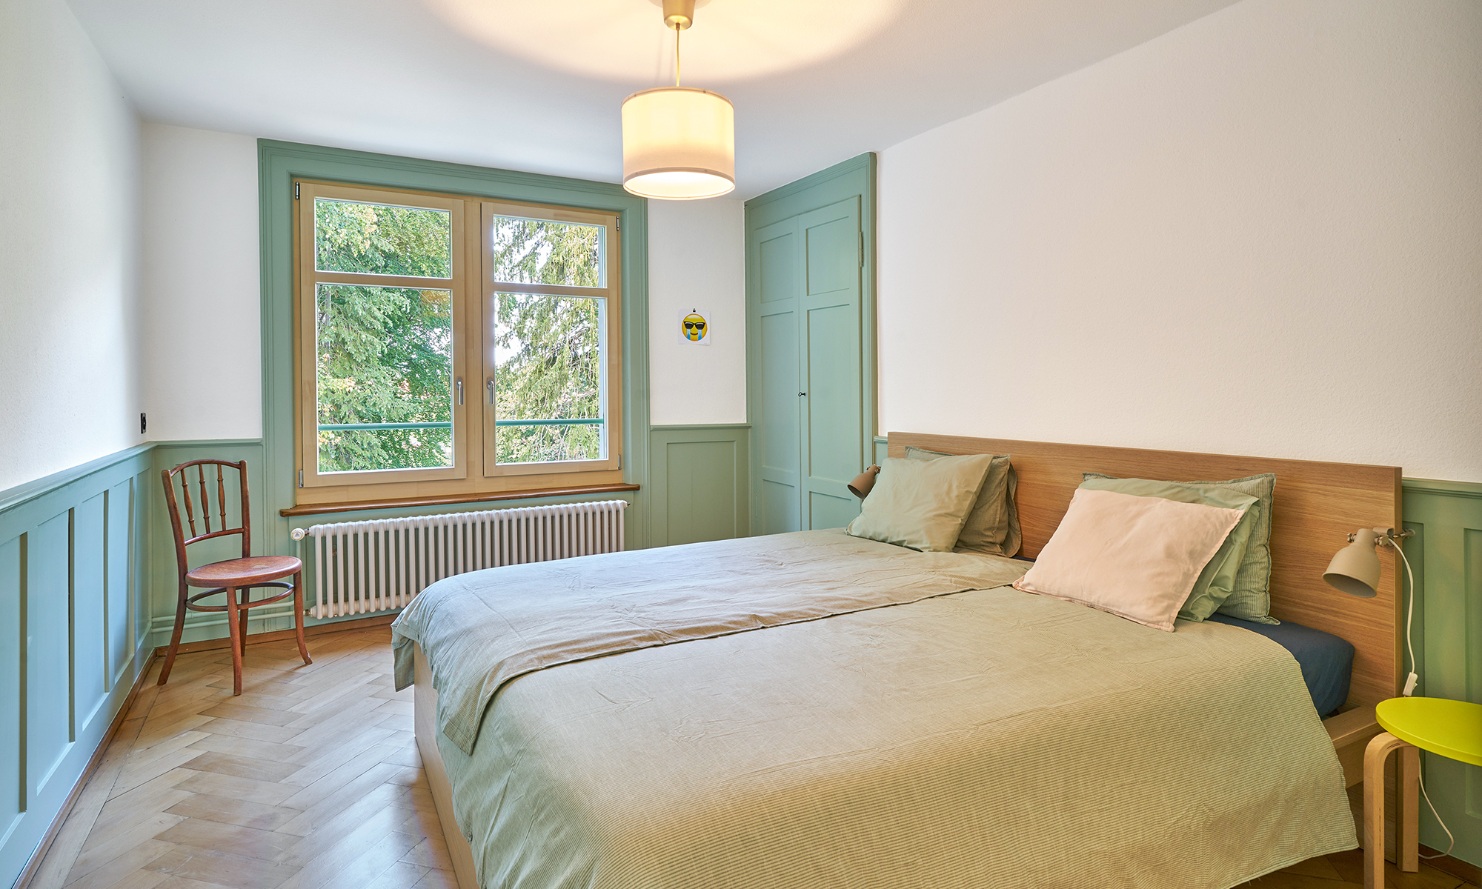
[(243, 572)]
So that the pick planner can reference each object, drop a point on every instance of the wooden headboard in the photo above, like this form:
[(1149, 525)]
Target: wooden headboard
[(1317, 505)]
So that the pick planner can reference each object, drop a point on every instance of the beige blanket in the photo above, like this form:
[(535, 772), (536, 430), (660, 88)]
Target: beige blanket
[(981, 740), (482, 629)]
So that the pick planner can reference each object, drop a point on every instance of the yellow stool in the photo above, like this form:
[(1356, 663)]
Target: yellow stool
[(1452, 729)]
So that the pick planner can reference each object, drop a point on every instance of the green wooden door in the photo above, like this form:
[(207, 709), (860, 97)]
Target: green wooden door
[(776, 270), (807, 408), (829, 363), (810, 340)]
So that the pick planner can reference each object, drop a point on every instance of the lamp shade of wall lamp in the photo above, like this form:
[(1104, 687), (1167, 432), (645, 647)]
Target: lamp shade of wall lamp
[(1355, 569), (679, 143), (864, 482)]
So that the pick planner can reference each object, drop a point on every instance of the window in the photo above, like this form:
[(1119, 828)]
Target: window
[(453, 345)]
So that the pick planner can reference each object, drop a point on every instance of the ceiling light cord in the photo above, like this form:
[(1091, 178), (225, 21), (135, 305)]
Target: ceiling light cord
[(676, 53)]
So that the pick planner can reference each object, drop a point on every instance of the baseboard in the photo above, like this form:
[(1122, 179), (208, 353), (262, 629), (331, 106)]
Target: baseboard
[(34, 864), (1463, 870), (224, 643)]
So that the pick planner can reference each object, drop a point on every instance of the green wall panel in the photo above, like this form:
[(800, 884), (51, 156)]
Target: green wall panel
[(117, 581), (48, 652), (700, 485), (12, 679), (89, 601), (1446, 554), (71, 569)]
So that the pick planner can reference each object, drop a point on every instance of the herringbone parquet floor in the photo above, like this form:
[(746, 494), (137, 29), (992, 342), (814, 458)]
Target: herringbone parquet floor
[(311, 780)]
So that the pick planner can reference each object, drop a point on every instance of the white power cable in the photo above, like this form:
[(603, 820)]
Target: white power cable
[(1410, 689)]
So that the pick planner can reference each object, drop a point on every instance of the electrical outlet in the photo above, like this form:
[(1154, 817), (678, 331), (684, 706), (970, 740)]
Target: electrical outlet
[(143, 422)]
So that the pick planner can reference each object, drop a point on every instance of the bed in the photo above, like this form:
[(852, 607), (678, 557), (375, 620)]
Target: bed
[(910, 720)]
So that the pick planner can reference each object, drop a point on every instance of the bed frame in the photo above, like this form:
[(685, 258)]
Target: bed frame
[(1317, 506)]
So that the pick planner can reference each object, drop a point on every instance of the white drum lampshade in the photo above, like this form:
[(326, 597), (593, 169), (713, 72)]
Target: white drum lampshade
[(679, 143)]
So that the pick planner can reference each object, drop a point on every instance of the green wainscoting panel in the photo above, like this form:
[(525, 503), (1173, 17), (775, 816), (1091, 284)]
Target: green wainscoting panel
[(12, 700), (700, 486), (72, 569), (279, 163), (882, 449), (1446, 554)]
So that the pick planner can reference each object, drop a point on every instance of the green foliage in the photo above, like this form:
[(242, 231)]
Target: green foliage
[(385, 354), (547, 349)]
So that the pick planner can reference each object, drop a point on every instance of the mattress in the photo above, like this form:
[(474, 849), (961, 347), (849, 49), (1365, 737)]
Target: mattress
[(1326, 660), (967, 735)]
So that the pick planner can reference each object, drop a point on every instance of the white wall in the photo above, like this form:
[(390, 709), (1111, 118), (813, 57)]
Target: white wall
[(696, 259), (200, 271), (68, 246), (1258, 234)]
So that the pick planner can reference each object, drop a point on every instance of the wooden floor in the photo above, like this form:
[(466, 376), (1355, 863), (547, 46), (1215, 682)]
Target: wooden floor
[(311, 780)]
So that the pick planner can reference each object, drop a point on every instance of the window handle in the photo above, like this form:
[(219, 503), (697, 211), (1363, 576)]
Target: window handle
[(489, 388), (459, 383)]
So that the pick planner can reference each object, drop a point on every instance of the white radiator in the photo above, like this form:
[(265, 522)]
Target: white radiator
[(360, 567)]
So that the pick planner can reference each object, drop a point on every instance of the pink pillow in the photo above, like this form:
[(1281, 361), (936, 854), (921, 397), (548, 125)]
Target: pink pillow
[(1135, 557)]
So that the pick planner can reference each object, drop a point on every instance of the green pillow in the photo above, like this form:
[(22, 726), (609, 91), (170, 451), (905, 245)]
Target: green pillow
[(921, 504), (1217, 581), (993, 524), (1251, 598)]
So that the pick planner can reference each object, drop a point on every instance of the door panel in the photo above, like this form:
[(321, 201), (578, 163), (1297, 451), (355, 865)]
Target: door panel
[(775, 414), (831, 364)]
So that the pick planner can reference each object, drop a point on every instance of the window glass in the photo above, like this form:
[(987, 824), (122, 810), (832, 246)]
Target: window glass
[(350, 236), (384, 365), (539, 251), (548, 378)]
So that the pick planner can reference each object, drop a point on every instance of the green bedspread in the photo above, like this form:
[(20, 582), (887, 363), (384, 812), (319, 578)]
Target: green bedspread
[(987, 738)]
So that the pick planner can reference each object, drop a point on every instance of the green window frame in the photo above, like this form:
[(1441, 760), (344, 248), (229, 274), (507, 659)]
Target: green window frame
[(283, 166)]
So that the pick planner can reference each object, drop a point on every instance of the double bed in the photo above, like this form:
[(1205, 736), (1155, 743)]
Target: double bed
[(818, 710)]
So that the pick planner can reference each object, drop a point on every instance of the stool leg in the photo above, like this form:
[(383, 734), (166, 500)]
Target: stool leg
[(242, 621), (298, 616), (1375, 756), (174, 636), (1407, 818), (232, 626)]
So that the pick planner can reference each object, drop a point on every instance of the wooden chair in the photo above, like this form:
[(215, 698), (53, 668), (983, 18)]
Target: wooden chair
[(234, 577)]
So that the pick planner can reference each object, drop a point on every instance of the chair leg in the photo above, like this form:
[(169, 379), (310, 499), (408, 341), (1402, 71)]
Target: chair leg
[(242, 622), (232, 626), (174, 637), (1375, 756), (298, 616)]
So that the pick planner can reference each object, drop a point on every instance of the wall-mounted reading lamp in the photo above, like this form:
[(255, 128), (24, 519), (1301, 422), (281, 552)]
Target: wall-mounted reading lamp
[(1355, 571), (864, 482)]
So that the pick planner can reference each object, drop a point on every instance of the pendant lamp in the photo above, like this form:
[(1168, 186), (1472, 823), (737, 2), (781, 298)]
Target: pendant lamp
[(679, 143)]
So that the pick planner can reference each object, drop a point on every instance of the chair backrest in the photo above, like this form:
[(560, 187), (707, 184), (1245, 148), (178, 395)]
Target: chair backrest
[(204, 476)]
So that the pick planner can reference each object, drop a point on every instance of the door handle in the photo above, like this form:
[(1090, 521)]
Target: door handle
[(802, 394)]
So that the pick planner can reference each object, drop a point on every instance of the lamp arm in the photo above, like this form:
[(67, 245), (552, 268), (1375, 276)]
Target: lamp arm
[(1385, 536)]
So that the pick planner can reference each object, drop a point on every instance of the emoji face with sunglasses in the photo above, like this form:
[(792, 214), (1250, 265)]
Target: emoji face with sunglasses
[(694, 327)]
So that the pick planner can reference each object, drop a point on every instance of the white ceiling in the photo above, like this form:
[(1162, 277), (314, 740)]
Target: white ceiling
[(537, 85)]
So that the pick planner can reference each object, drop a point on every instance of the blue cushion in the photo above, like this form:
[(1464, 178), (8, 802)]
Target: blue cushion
[(1325, 659)]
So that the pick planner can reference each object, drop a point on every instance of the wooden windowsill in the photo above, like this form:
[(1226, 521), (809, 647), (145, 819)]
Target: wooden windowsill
[(450, 499)]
